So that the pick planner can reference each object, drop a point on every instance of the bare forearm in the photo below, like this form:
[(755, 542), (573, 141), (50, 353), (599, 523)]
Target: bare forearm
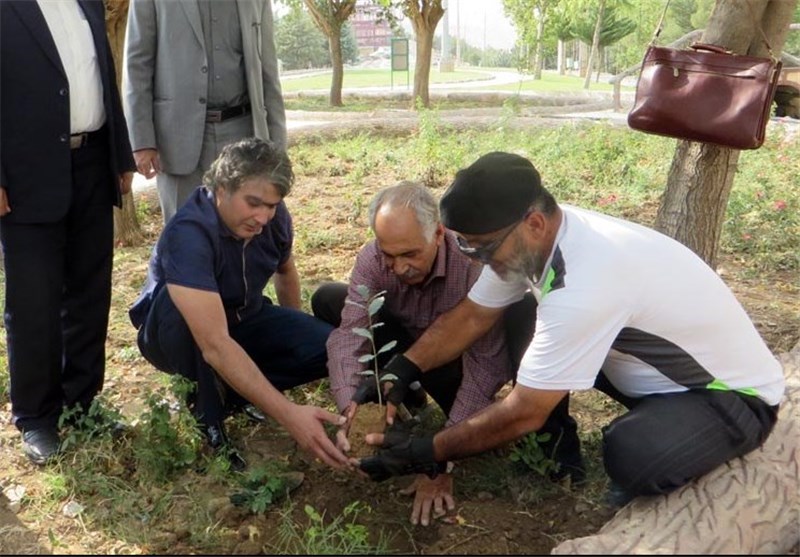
[(287, 288), (522, 411), (451, 334), (236, 368), (493, 427)]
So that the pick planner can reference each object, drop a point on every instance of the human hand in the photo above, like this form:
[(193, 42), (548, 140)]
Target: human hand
[(437, 492), (148, 163), (342, 441), (305, 424), (5, 208), (400, 454), (400, 372), (367, 391), (125, 181)]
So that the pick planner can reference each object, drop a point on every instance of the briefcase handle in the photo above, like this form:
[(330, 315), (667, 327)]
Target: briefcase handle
[(710, 48)]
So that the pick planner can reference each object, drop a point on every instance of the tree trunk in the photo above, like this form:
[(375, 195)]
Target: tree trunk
[(422, 68), (127, 231), (424, 16), (562, 58), (337, 79), (595, 43), (583, 59), (701, 177), (329, 16), (537, 61)]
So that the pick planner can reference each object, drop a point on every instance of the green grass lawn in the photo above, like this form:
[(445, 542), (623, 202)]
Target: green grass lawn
[(375, 78), (480, 78), (552, 82)]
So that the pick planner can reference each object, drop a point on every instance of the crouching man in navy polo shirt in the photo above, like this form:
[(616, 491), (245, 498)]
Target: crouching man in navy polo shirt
[(202, 312)]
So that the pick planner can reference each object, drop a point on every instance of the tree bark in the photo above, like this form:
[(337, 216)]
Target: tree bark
[(422, 68), (701, 176), (127, 231), (337, 79), (424, 16)]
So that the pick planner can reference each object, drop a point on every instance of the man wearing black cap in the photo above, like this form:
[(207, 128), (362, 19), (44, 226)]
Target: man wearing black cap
[(621, 308)]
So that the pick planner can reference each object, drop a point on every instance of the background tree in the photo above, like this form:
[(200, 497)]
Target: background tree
[(330, 16), (613, 28), (127, 230), (561, 25), (701, 176), (529, 18), (598, 26), (299, 43), (424, 16)]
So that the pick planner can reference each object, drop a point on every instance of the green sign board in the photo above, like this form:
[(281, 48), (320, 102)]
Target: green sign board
[(399, 54)]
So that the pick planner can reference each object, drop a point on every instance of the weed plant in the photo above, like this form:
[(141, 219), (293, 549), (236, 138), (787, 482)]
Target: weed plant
[(528, 452), (261, 487), (323, 535)]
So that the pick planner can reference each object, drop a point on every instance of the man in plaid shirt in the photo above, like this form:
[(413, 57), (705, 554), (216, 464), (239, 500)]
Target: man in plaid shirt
[(416, 261)]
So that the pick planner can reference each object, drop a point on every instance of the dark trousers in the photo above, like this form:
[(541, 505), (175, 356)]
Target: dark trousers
[(58, 295), (287, 345), (666, 440), (443, 383)]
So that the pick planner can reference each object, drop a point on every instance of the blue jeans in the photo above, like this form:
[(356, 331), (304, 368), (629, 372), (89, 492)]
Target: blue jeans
[(287, 345)]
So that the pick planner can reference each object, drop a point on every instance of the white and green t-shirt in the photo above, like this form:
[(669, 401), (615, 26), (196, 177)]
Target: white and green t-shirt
[(639, 305)]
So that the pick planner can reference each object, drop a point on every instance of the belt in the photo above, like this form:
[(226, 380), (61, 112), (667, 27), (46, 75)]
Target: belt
[(227, 113), (78, 140)]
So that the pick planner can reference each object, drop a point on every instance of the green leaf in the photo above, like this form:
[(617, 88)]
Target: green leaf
[(362, 332), (389, 377), (366, 358), (388, 346), (363, 291), (366, 372), (375, 306)]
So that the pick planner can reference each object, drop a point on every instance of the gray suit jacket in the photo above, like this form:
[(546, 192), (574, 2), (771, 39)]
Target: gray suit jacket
[(164, 81)]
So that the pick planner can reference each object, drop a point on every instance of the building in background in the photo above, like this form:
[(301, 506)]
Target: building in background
[(370, 30)]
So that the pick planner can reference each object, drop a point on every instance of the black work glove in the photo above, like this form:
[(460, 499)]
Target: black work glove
[(402, 454), (367, 391), (401, 372)]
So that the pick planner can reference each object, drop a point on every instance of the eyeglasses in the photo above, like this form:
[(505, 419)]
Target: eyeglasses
[(484, 253)]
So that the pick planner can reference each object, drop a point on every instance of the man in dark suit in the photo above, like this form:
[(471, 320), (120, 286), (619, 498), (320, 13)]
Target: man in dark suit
[(65, 160)]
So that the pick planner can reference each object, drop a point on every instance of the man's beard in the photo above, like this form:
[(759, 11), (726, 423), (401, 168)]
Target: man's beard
[(525, 265)]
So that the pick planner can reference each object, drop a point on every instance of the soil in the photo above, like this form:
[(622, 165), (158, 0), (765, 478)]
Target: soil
[(369, 418), (499, 508)]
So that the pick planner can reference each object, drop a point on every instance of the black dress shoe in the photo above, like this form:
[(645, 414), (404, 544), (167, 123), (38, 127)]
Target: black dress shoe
[(40, 445), (219, 443)]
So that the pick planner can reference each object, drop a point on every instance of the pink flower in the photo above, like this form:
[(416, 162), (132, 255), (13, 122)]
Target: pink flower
[(779, 205), (759, 195)]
